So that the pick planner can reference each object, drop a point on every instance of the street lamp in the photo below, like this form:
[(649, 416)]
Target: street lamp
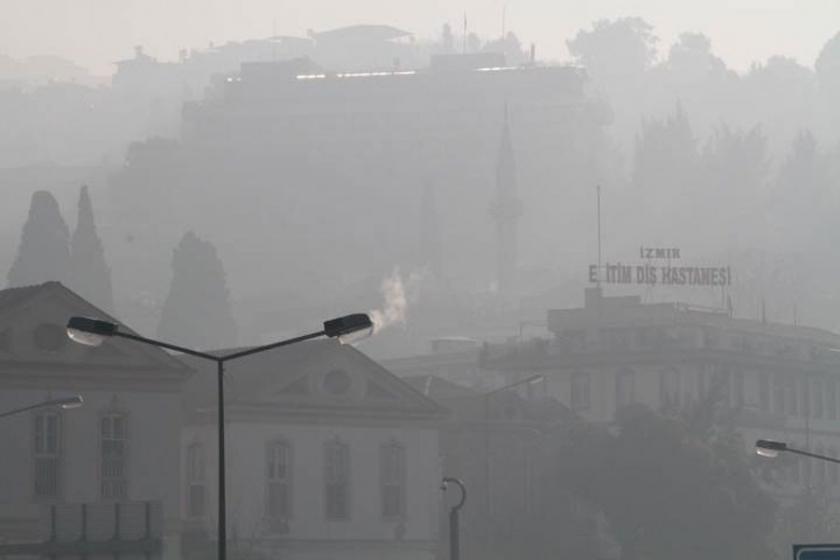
[(66, 403), (454, 527), (771, 449), (93, 332)]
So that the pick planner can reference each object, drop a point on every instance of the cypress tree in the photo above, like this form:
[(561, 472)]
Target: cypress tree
[(43, 253), (90, 276), (197, 311)]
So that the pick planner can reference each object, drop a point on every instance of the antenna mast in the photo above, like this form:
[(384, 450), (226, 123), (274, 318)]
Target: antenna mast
[(598, 209)]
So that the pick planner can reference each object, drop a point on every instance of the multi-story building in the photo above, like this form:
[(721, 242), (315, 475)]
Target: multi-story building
[(78, 481), (296, 155), (327, 454), (779, 381)]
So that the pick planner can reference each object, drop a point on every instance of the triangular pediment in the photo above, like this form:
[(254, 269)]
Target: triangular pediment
[(324, 375), (33, 335)]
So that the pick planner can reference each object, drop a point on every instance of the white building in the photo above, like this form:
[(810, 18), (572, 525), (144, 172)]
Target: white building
[(776, 381), (328, 455), (114, 453)]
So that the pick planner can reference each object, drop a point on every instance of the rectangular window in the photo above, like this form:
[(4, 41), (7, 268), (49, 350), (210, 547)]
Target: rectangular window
[(817, 395), (195, 480), (702, 383), (337, 479), (47, 451), (722, 386), (790, 397), (738, 389), (670, 388), (819, 468), (624, 388), (392, 473), (778, 394), (764, 392), (113, 443), (805, 409), (580, 391), (278, 474)]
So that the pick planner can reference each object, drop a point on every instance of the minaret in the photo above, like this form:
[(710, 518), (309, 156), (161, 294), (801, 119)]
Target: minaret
[(506, 210)]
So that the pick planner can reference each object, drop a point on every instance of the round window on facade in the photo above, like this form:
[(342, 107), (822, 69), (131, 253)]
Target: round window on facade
[(337, 382), (49, 337)]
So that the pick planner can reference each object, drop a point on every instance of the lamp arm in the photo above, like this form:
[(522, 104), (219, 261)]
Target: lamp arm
[(271, 346), (168, 346), (24, 409), (813, 455)]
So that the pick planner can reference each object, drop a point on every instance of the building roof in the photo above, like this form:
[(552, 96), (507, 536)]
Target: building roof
[(52, 304), (12, 296), (364, 32), (627, 312), (322, 376), (438, 388)]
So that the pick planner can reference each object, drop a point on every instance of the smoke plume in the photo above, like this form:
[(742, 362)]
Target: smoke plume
[(398, 294)]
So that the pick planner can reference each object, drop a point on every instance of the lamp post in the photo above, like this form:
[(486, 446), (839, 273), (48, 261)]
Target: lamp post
[(93, 332), (66, 403), (454, 526), (771, 449)]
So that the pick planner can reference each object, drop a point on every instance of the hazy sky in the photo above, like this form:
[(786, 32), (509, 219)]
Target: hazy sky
[(95, 32)]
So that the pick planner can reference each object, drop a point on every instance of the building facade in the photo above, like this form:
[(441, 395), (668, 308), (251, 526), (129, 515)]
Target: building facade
[(328, 455), (776, 381), (96, 463)]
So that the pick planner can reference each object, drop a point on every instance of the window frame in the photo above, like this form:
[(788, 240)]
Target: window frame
[(400, 483), (112, 414), (343, 480), (272, 480), (580, 396), (55, 456), (195, 475), (625, 391)]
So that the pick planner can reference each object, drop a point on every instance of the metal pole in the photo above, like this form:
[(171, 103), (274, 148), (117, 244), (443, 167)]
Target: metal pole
[(222, 553), (454, 522), (598, 196)]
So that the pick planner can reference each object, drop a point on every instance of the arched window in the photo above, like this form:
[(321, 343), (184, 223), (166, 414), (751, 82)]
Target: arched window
[(392, 480), (278, 471), (337, 480)]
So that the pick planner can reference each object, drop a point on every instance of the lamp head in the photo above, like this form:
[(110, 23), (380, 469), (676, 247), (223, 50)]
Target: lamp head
[(349, 328), (90, 332), (70, 402), (769, 448)]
